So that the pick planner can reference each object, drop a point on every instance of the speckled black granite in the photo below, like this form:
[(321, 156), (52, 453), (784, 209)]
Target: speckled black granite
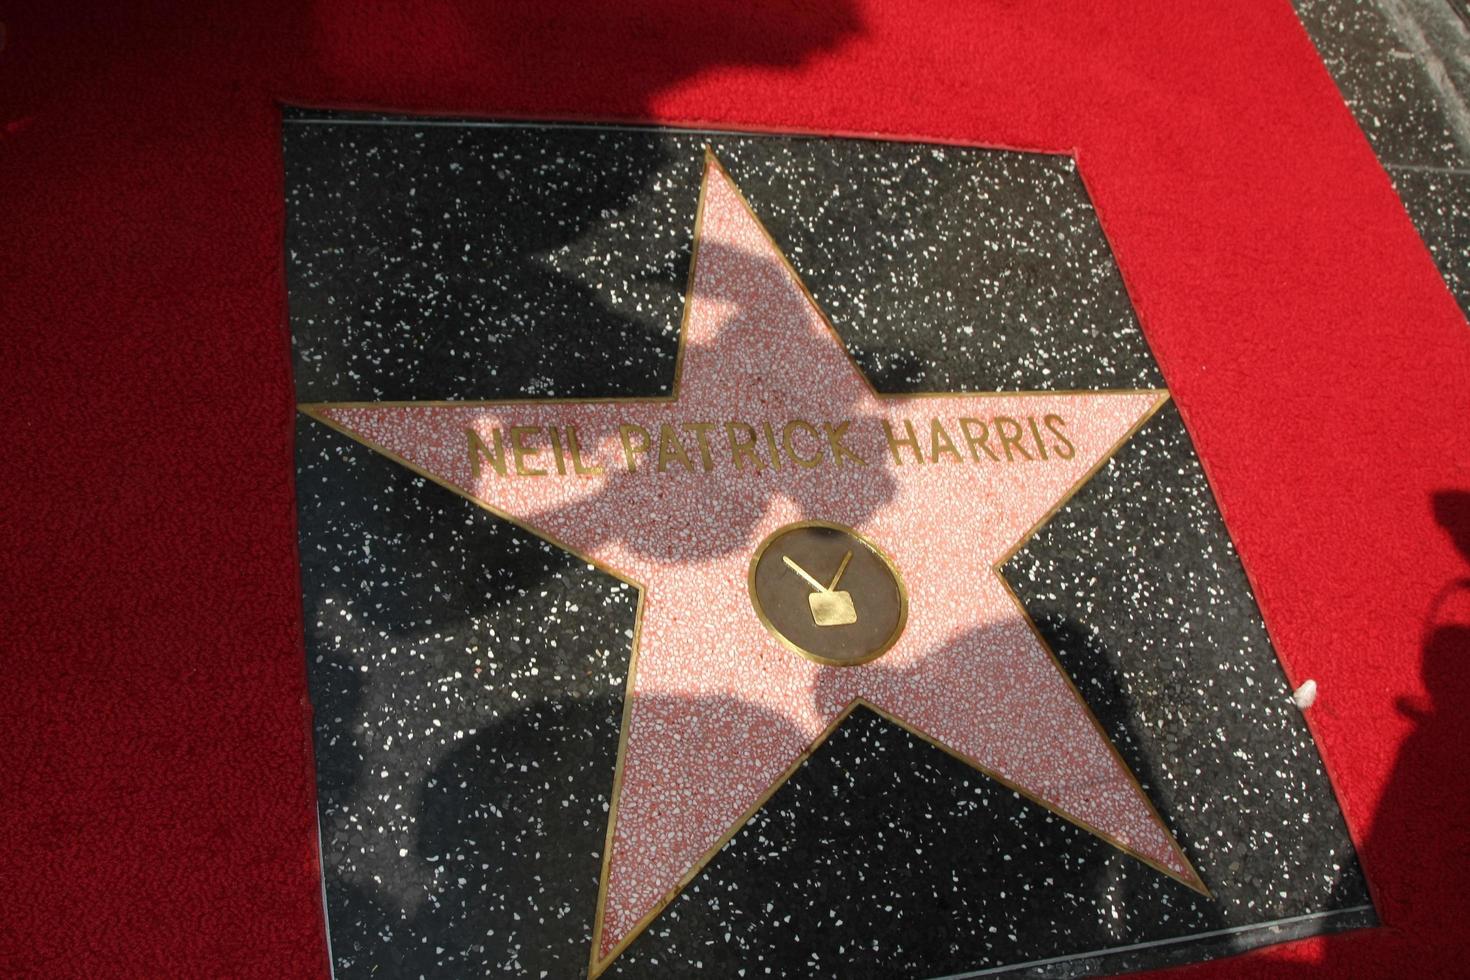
[(1382, 81), (467, 678), (467, 681), (450, 268), (1411, 111), (1439, 203)]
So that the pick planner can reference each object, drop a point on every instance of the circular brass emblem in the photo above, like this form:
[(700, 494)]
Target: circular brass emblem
[(828, 593)]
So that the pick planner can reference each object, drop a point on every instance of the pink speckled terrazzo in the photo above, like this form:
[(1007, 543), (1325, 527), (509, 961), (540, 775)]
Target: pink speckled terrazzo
[(718, 710)]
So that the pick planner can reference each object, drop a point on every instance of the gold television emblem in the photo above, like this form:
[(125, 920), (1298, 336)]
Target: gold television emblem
[(829, 606), (838, 627)]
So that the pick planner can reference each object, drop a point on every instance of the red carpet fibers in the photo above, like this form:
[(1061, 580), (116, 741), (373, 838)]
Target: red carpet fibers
[(158, 795)]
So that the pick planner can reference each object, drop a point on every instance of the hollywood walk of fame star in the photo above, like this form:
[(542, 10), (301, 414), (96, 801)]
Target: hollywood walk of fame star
[(718, 710)]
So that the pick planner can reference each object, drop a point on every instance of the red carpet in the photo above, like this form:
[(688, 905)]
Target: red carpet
[(158, 791)]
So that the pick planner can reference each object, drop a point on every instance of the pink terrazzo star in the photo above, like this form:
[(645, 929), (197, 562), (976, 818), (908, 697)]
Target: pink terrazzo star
[(718, 712)]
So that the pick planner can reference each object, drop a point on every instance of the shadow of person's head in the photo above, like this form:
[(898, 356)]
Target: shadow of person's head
[(621, 56), (1452, 513)]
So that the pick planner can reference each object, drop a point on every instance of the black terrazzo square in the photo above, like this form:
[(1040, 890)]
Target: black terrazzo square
[(467, 678)]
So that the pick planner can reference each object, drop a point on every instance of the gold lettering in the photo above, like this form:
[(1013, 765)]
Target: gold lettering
[(1036, 435), (741, 450), (939, 442), (893, 442), (701, 436), (626, 431), (556, 451), (478, 449), (788, 440), (670, 448), (840, 450), (771, 444), (1009, 439), (520, 450), (1064, 448), (975, 442), (574, 449)]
